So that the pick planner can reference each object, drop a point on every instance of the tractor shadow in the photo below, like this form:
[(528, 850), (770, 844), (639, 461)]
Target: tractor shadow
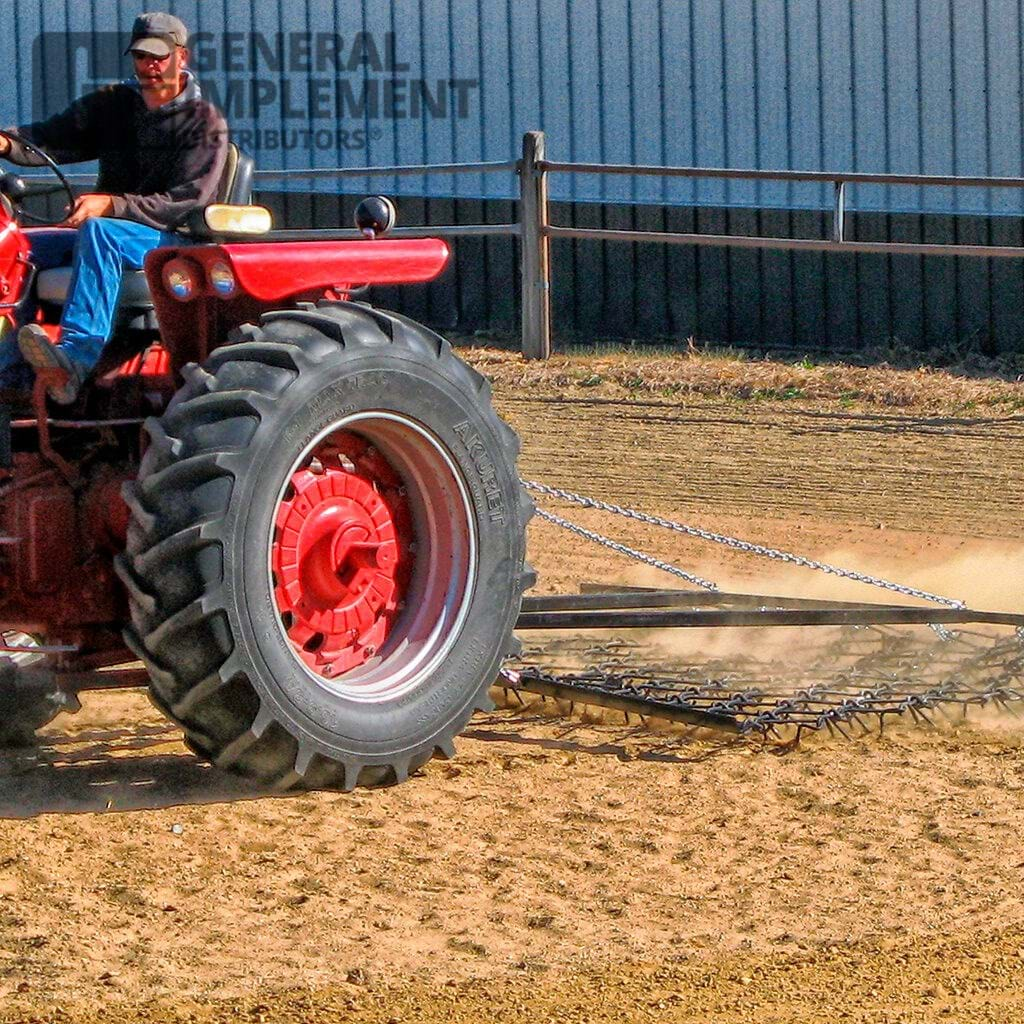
[(680, 745), (118, 769), (111, 770)]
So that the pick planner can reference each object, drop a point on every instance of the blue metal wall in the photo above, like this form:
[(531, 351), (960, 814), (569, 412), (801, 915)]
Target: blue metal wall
[(931, 86)]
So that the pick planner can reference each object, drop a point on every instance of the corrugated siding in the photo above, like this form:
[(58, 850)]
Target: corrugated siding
[(908, 86), (929, 86)]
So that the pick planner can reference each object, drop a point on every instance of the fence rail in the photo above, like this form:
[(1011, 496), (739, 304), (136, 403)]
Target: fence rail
[(822, 177), (535, 230), (509, 167)]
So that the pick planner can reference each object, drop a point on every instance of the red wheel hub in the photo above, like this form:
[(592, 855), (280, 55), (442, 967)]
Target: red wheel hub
[(340, 554)]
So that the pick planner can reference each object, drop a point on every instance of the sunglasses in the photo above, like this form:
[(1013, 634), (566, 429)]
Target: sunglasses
[(141, 57)]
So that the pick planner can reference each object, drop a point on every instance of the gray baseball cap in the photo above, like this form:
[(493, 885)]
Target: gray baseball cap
[(157, 33)]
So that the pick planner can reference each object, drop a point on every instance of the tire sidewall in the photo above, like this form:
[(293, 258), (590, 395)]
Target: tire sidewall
[(337, 389)]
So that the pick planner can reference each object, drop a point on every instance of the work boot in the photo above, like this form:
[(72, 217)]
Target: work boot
[(41, 353)]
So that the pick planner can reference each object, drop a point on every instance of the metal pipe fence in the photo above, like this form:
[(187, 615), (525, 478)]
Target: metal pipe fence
[(535, 230), (536, 335)]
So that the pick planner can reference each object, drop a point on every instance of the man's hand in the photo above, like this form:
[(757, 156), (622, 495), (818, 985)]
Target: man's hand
[(92, 204), (5, 145)]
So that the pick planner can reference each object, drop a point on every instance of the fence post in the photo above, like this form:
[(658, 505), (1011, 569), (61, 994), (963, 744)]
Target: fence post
[(536, 246)]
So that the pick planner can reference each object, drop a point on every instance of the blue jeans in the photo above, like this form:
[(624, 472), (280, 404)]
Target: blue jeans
[(105, 247)]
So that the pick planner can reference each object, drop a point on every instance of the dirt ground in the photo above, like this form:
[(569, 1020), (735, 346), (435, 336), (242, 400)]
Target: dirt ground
[(564, 869)]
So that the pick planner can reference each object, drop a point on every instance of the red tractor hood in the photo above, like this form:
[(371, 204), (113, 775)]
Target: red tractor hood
[(274, 273), (275, 270)]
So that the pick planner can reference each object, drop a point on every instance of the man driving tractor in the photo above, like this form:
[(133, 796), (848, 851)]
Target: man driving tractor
[(161, 150)]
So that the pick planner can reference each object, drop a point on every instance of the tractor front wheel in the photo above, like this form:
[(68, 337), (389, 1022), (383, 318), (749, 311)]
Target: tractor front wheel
[(325, 560)]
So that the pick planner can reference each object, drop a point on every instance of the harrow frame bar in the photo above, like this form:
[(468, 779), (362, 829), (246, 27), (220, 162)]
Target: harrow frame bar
[(600, 606), (641, 608)]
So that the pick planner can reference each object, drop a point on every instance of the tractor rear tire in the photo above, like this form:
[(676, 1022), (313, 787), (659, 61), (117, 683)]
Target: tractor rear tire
[(332, 455)]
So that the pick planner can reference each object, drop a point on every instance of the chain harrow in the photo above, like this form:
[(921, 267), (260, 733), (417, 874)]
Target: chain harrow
[(864, 677), (859, 680)]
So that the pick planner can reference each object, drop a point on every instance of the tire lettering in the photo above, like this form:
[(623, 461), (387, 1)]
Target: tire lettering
[(484, 466), (467, 662), (360, 382)]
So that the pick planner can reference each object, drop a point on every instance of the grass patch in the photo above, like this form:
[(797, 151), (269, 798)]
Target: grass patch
[(685, 372)]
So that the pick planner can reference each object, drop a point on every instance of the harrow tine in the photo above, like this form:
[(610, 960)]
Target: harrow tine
[(842, 732)]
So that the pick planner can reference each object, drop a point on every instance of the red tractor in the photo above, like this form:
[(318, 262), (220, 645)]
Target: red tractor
[(298, 512)]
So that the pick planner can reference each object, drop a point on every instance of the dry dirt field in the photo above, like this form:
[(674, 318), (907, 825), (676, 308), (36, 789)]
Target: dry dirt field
[(570, 870)]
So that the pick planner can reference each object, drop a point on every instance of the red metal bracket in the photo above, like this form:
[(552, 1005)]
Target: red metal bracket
[(46, 378)]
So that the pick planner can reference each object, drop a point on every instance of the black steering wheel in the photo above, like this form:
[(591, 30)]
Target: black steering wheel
[(17, 189)]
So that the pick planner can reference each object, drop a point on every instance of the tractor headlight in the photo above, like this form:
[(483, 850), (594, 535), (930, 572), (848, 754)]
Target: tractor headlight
[(222, 280), (223, 219), (181, 279)]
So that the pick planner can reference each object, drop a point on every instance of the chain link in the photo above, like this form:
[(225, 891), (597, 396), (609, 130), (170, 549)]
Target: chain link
[(622, 549), (944, 634), (732, 542)]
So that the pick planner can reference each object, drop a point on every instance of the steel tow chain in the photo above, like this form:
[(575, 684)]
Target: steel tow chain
[(732, 542), (622, 549)]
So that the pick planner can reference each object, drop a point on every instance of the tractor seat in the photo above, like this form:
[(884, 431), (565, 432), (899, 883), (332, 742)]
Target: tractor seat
[(235, 188), (53, 287)]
